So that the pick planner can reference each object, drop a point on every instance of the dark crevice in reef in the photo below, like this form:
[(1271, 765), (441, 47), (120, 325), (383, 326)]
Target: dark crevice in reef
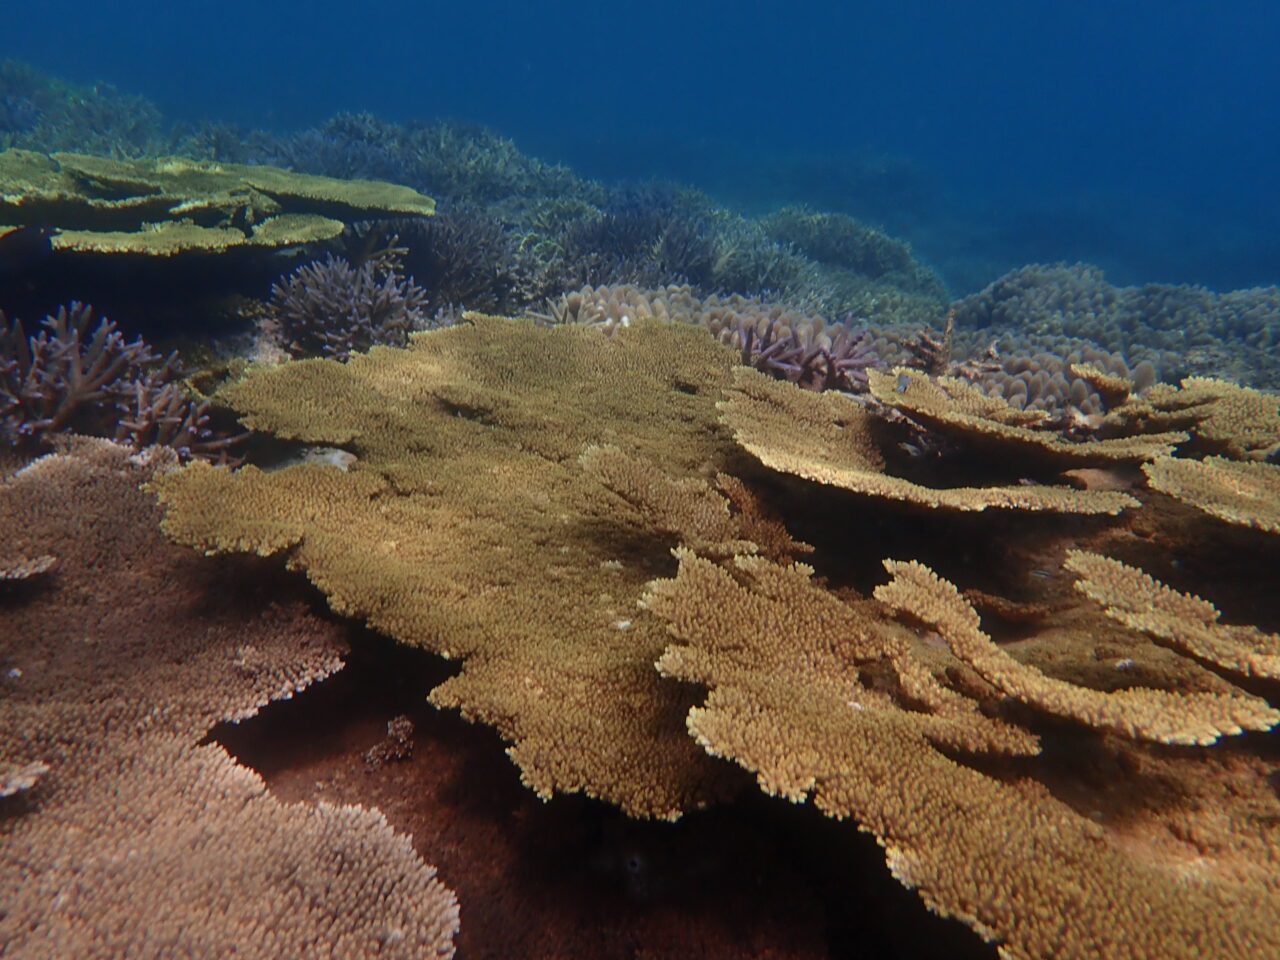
[(574, 877)]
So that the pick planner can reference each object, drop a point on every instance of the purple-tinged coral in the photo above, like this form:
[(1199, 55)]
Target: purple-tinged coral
[(333, 309), (159, 412), (75, 377), (68, 377), (840, 364)]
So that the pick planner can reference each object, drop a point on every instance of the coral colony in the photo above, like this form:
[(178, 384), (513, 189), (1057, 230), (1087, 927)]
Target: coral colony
[(653, 555)]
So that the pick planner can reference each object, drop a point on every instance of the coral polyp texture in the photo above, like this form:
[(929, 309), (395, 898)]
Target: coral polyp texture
[(124, 833), (831, 439), (512, 497), (839, 704), (467, 526), (1180, 329)]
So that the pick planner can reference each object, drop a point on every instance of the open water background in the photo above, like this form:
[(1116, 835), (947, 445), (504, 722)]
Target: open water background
[(1135, 134)]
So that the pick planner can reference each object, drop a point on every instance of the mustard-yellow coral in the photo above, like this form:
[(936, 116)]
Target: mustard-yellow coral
[(1246, 493), (957, 406), (1160, 715), (829, 438), (468, 526), (172, 205), (1028, 856), (1186, 621)]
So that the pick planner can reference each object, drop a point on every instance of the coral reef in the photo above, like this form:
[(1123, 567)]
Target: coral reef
[(1182, 330), (465, 259), (38, 112), (451, 160), (832, 439), (124, 835), (782, 341), (840, 704), (1242, 493), (1032, 650), (467, 447)]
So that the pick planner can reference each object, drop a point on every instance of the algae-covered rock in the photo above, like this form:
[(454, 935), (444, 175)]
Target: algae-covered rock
[(170, 205)]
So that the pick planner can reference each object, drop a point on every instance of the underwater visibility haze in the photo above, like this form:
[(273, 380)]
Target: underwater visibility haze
[(642, 480)]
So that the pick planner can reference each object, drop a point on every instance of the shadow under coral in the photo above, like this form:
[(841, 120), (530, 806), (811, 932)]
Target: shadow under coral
[(574, 877)]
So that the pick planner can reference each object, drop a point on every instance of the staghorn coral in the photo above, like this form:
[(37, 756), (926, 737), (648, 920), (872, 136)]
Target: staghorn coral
[(129, 836), (831, 439), (78, 376), (331, 308), (820, 696), (38, 112), (464, 258), (841, 364), (466, 526), (782, 341)]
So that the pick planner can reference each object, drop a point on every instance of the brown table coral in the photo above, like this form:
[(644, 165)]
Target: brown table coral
[(122, 834)]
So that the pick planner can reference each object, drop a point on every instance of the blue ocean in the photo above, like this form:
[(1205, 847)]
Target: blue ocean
[(741, 481), (1135, 136)]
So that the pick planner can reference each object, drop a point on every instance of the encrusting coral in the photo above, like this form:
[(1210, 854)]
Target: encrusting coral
[(124, 835), (467, 526)]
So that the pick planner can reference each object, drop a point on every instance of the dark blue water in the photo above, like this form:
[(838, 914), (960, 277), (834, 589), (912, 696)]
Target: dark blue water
[(1136, 134)]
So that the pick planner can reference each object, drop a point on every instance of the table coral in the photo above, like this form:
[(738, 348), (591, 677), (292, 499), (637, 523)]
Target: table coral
[(816, 702), (167, 206), (124, 835), (467, 526), (830, 439)]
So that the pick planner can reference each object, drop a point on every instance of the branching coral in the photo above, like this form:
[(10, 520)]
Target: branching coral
[(841, 365), (332, 308), (831, 439), (464, 258), (782, 341), (1186, 621), (78, 376), (819, 695)]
